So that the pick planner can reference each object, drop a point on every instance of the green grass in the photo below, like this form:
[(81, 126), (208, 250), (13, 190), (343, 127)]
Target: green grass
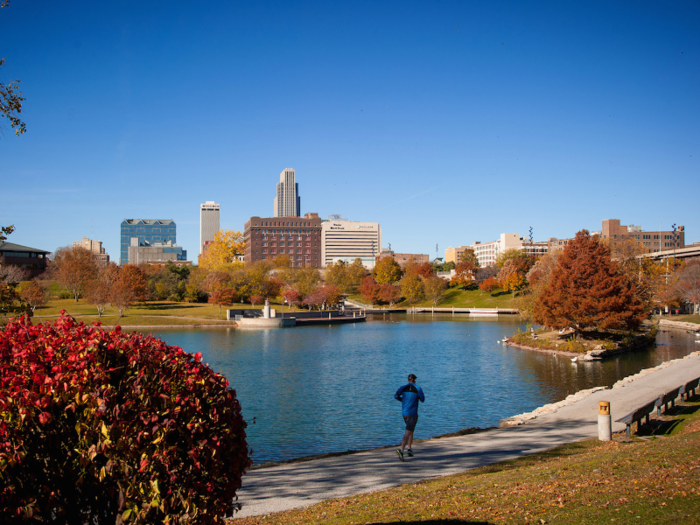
[(651, 480), (695, 318), (155, 313)]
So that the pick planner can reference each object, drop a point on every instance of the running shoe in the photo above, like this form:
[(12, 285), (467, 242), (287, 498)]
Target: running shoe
[(400, 453), (409, 452)]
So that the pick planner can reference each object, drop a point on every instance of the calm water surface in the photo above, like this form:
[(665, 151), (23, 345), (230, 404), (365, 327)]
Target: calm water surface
[(318, 389)]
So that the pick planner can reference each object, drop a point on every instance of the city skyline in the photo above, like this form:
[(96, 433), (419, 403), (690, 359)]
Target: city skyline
[(447, 124)]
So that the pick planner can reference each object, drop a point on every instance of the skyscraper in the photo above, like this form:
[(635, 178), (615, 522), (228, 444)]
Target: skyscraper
[(209, 222), (287, 202)]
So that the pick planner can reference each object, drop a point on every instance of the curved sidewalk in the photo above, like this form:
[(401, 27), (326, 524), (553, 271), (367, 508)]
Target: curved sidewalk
[(296, 485)]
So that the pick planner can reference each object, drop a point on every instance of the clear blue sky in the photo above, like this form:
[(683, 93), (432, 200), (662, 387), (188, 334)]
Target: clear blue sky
[(446, 122)]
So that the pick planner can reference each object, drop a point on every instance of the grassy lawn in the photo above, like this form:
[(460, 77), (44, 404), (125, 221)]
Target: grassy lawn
[(462, 299), (654, 479), (695, 318), (155, 313)]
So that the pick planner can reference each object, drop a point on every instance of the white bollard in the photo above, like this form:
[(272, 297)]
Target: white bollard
[(604, 421)]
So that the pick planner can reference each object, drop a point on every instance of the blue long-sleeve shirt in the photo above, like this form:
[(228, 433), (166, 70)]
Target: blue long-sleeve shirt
[(409, 395)]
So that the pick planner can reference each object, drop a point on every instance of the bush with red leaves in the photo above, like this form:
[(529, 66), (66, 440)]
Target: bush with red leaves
[(99, 426)]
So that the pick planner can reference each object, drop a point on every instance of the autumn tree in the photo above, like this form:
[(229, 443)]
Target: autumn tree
[(468, 255), (489, 285), (11, 102), (389, 293), (412, 288), (304, 279), (689, 284), (369, 289), (465, 274), (223, 297), (256, 279), (312, 300), (74, 268), (129, 287), (537, 277), (291, 296), (512, 274), (424, 270), (355, 273), (14, 274), (223, 252), (434, 289), (282, 261), (337, 275), (329, 295), (5, 231), (513, 254), (255, 299), (34, 294), (587, 290), (387, 270), (99, 294)]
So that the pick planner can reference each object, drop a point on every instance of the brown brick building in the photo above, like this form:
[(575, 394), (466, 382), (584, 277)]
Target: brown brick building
[(653, 241), (299, 238)]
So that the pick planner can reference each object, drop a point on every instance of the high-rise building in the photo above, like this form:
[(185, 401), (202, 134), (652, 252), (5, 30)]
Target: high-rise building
[(95, 247), (145, 232), (287, 202), (346, 240), (209, 222), (295, 237)]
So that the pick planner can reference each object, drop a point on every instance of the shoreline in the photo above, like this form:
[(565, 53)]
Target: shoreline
[(508, 422), (521, 419)]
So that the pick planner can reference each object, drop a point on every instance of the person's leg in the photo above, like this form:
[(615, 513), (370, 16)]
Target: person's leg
[(410, 439), (407, 439)]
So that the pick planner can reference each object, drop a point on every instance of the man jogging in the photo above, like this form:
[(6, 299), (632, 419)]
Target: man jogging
[(409, 395)]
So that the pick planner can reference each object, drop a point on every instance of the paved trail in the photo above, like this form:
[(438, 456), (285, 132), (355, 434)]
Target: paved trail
[(291, 486)]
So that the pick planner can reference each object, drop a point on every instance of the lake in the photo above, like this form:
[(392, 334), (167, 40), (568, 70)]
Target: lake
[(318, 389)]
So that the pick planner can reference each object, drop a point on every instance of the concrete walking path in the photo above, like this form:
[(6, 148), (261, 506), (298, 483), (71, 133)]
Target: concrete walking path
[(296, 485)]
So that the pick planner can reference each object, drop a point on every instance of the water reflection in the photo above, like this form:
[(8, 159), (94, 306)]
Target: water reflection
[(321, 389)]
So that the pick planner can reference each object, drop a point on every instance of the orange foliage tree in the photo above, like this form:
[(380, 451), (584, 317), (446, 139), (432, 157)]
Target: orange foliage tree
[(465, 273), (489, 285), (587, 290)]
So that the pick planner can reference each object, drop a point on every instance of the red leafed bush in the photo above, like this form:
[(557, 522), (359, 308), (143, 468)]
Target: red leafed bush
[(99, 426)]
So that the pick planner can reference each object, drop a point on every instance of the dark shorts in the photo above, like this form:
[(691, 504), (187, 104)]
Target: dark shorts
[(411, 422)]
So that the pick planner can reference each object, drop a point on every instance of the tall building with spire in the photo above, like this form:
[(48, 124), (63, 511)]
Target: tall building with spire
[(287, 202)]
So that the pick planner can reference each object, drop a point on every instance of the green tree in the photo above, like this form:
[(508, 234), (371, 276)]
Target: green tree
[(387, 270), (588, 290)]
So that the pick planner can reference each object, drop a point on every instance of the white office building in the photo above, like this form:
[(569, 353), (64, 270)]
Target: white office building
[(209, 222), (342, 239), (287, 202), (487, 252)]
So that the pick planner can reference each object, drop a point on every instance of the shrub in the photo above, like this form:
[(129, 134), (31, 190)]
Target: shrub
[(99, 426)]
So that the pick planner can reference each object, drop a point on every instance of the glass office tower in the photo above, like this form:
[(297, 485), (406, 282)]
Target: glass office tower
[(147, 231)]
